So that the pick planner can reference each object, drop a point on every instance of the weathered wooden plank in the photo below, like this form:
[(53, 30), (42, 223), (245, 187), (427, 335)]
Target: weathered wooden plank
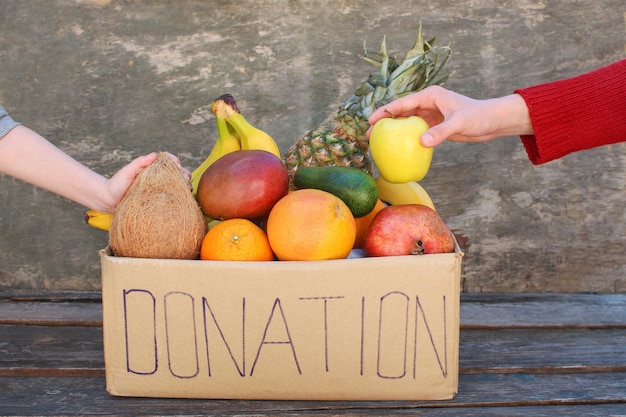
[(45, 350), (32, 350), (11, 294), (547, 394), (51, 313), (602, 410), (543, 310), (547, 350), (477, 310)]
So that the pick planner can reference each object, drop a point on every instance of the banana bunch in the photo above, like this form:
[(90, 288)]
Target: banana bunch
[(249, 136), (403, 193)]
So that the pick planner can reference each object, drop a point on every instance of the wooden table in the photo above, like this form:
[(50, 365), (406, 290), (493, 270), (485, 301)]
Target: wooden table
[(520, 354)]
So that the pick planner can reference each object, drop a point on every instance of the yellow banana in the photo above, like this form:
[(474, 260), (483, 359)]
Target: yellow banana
[(252, 137), (249, 136), (98, 219), (226, 143), (403, 193)]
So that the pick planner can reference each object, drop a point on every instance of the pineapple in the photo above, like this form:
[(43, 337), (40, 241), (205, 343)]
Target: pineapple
[(346, 144)]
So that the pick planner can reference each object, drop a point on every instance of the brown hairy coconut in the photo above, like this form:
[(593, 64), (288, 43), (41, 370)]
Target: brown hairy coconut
[(158, 216)]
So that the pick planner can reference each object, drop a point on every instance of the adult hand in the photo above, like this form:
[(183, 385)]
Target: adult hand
[(119, 183), (459, 118)]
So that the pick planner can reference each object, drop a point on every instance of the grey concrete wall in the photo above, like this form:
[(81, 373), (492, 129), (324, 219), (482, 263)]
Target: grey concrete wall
[(109, 80)]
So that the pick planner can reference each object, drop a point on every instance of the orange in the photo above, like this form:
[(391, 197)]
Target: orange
[(236, 240), (363, 223), (310, 224)]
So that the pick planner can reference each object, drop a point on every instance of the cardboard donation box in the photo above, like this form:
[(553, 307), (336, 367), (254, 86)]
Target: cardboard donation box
[(353, 329)]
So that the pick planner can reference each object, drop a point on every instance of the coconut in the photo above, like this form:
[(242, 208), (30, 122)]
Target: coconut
[(158, 217)]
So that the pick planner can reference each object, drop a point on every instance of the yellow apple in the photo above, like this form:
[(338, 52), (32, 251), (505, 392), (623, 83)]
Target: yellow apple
[(397, 151)]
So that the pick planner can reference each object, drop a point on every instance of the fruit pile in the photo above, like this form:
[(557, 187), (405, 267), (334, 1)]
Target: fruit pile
[(318, 201)]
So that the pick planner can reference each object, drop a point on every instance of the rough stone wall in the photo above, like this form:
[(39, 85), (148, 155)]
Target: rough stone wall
[(109, 80)]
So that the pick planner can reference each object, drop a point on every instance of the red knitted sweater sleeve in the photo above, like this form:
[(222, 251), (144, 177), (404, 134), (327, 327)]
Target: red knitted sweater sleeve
[(577, 113)]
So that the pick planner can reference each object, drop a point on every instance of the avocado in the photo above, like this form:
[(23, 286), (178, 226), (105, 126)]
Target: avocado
[(353, 186)]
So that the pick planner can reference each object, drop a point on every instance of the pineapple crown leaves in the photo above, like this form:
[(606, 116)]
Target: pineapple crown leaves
[(420, 68)]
